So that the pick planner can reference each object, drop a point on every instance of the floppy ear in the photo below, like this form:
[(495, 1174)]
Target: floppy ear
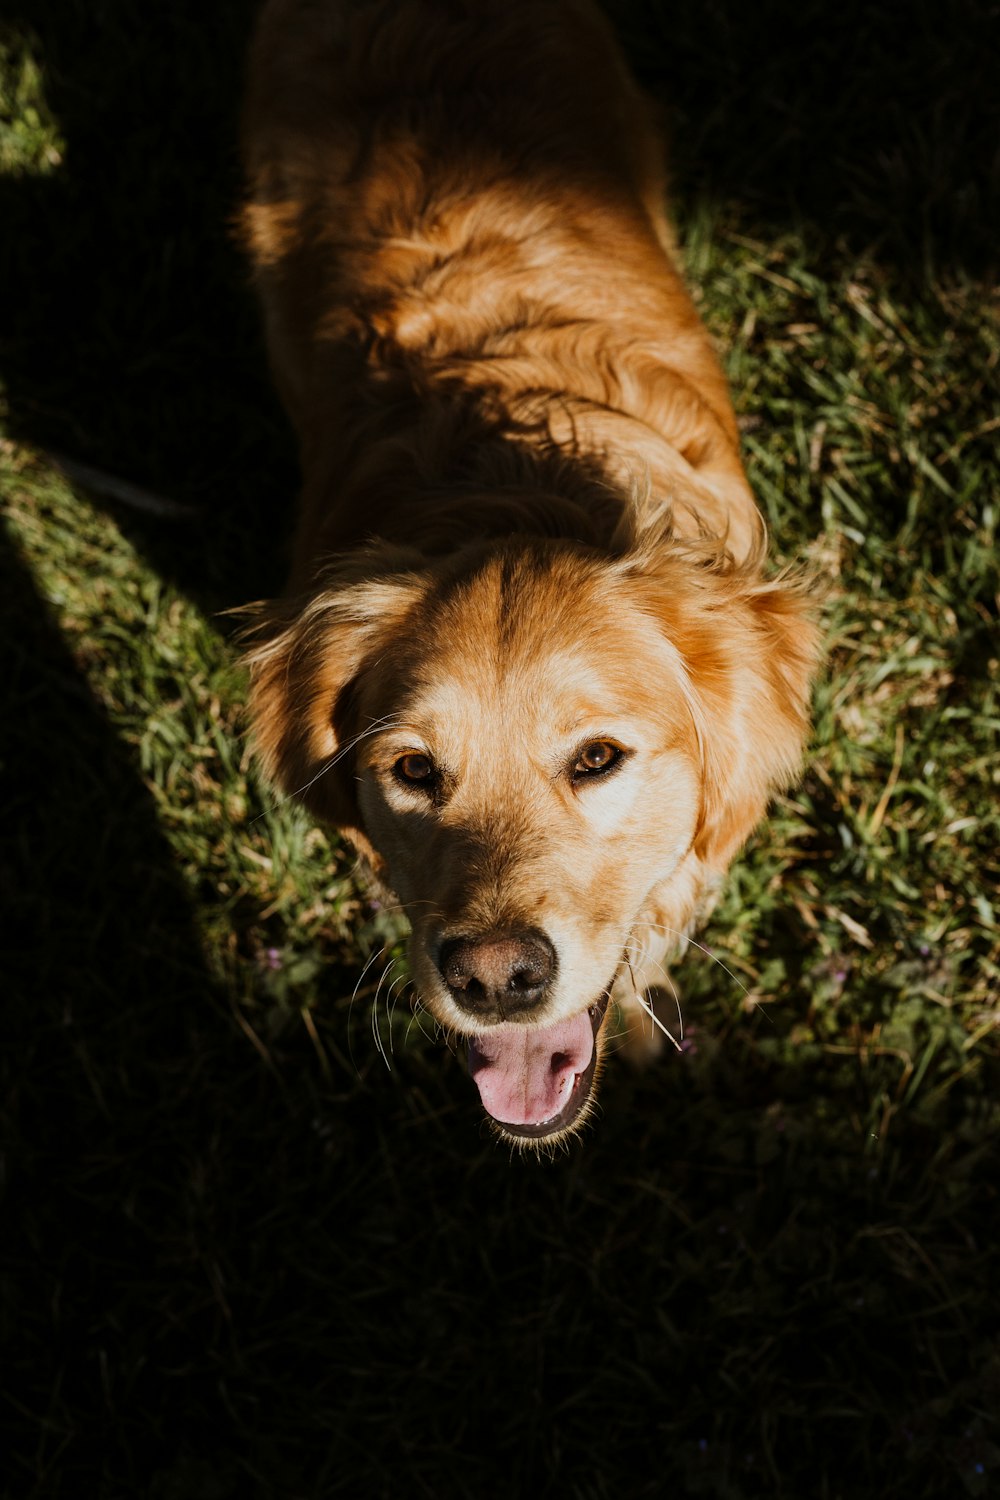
[(749, 649), (754, 688), (306, 661)]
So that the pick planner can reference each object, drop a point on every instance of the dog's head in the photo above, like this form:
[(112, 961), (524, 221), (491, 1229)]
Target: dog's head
[(527, 744)]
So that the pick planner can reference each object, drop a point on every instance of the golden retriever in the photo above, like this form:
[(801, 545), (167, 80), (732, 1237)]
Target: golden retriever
[(528, 662)]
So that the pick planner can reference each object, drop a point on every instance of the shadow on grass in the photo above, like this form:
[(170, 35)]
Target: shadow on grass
[(130, 337), (876, 125), (112, 1039)]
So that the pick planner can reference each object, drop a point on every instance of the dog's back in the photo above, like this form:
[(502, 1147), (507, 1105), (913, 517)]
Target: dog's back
[(459, 209)]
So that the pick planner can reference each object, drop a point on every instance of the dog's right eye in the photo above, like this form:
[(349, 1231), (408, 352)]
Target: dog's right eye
[(597, 759), (414, 769)]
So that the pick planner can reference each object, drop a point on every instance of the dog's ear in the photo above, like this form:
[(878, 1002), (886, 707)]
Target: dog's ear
[(307, 659), (748, 649), (753, 685)]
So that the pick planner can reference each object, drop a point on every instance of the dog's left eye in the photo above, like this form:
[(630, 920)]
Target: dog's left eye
[(415, 769), (597, 759)]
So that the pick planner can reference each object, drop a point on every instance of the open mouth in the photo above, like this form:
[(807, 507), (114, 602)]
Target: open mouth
[(534, 1081)]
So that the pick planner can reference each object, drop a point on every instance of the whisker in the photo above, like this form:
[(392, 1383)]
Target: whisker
[(631, 971), (668, 980), (384, 723), (450, 1037), (645, 1004), (390, 1006), (374, 1022), (659, 927), (651, 1013), (419, 1011), (375, 953), (404, 906), (615, 1044)]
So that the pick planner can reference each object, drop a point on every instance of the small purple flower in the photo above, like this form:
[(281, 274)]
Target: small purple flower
[(272, 958)]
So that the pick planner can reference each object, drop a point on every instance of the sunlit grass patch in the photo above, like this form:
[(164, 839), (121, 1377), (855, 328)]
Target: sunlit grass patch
[(30, 140), (875, 460)]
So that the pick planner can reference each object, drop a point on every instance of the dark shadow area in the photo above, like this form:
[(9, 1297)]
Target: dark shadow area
[(128, 332), (875, 124), (120, 1068), (128, 336)]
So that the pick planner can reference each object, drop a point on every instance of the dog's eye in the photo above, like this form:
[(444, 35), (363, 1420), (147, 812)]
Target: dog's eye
[(596, 759), (414, 769)]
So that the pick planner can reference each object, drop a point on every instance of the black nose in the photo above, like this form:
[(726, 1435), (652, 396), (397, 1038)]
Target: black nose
[(504, 973)]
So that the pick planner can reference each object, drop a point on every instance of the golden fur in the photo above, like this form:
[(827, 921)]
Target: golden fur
[(526, 540)]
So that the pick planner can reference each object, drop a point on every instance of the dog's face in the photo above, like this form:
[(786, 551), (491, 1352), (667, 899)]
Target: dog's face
[(536, 775), (528, 748)]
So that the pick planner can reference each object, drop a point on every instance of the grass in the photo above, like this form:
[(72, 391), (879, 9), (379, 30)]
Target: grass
[(241, 1255)]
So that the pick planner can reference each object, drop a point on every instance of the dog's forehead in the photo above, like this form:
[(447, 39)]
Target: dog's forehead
[(559, 688), (530, 605), (557, 644)]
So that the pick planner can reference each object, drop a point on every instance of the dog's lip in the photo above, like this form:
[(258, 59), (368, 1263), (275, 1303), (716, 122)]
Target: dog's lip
[(578, 1096)]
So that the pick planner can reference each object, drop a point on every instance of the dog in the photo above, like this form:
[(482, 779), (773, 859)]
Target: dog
[(529, 661)]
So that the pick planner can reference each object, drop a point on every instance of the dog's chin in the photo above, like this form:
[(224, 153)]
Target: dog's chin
[(542, 1077)]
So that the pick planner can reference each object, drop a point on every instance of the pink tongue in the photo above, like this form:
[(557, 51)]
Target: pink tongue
[(525, 1074)]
